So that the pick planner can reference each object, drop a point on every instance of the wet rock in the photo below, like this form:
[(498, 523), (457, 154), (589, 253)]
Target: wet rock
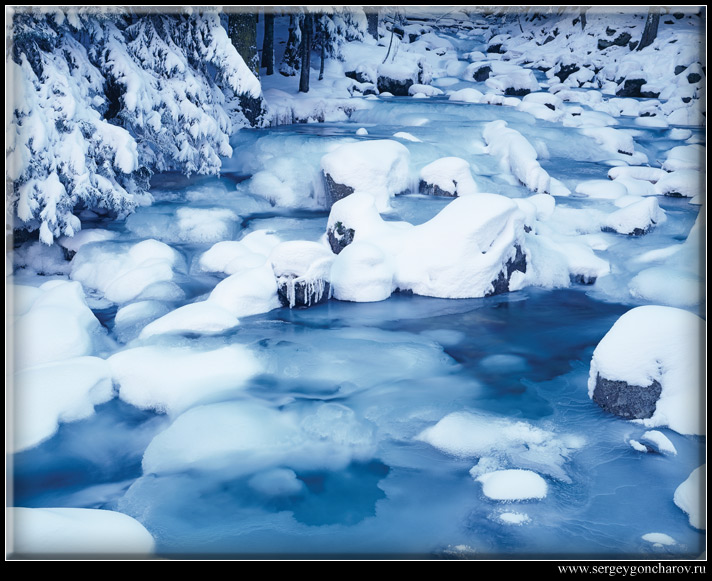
[(302, 271)]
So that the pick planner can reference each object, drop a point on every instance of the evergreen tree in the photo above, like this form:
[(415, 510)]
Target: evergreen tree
[(102, 100)]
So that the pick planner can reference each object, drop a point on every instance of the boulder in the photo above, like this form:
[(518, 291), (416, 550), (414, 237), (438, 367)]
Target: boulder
[(380, 167), (647, 368)]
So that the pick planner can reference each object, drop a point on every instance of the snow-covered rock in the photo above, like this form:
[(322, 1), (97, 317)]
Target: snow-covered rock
[(647, 368), (380, 167), (471, 248), (302, 269), (125, 272), (447, 176), (689, 497), (635, 219), (248, 292)]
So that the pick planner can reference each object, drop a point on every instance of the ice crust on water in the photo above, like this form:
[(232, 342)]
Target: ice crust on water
[(246, 437), (656, 343), (78, 531), (511, 485), (688, 497), (516, 444), (173, 379)]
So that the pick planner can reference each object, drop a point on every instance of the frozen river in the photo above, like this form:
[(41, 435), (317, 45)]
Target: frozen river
[(369, 428)]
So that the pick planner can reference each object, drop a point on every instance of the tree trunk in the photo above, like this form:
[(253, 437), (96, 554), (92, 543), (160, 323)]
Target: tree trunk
[(307, 34), (242, 30), (583, 18), (650, 32), (291, 60), (268, 43), (372, 20), (324, 40)]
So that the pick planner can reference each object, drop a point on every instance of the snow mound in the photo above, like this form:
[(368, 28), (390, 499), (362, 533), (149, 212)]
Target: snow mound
[(498, 441), (380, 167), (661, 442), (56, 325), (688, 497), (510, 485), (647, 368), (173, 379), (203, 318), (241, 438), (53, 393), (362, 273), (77, 531), (123, 273), (248, 292), (518, 156)]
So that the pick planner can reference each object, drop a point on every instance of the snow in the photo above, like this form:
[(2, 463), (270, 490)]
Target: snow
[(656, 343), (688, 497), (173, 379), (687, 183), (511, 485), (380, 167), (78, 532), (362, 273)]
